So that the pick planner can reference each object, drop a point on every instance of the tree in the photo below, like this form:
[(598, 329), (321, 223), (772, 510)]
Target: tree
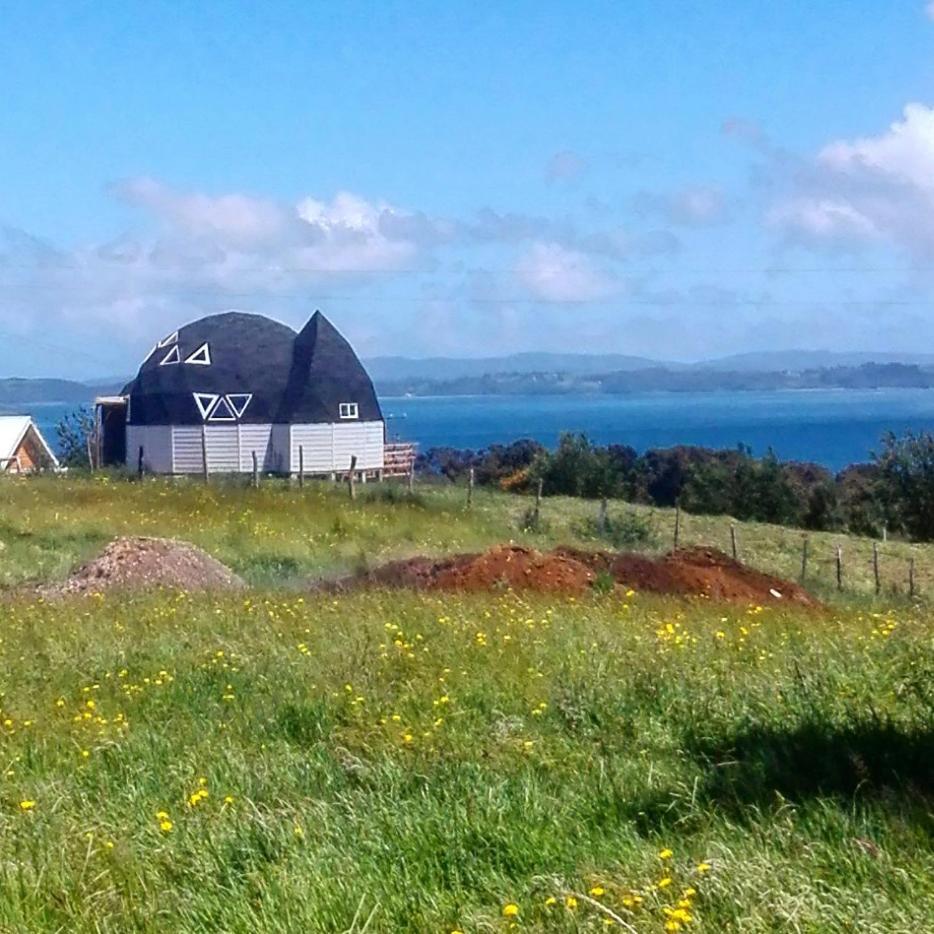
[(905, 483), (74, 432)]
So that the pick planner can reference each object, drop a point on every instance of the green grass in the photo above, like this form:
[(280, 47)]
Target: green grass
[(281, 536), (407, 762)]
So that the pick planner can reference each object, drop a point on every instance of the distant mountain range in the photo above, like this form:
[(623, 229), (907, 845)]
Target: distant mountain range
[(569, 373)]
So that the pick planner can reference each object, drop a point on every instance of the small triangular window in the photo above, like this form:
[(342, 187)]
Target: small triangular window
[(201, 357), (171, 339), (171, 357), (239, 401), (205, 402), (222, 412)]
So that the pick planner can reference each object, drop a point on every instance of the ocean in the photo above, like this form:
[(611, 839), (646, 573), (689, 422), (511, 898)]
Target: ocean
[(833, 427)]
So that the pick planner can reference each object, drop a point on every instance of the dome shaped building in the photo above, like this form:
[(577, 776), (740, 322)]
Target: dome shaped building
[(219, 390)]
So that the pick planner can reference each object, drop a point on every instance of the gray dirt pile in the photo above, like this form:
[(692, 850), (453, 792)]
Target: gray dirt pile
[(145, 563)]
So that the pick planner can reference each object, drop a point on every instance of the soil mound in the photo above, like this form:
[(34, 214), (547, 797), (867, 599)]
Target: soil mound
[(686, 572), (505, 566), (694, 572), (140, 563)]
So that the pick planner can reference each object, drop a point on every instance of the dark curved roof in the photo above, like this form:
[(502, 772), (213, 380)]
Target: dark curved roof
[(288, 377)]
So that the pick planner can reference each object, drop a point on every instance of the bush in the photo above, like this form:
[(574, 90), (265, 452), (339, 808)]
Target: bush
[(626, 530), (74, 432)]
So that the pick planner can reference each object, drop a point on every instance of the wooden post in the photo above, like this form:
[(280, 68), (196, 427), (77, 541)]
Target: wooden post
[(537, 515), (602, 516), (139, 464), (804, 558), (875, 566), (470, 482), (352, 477), (204, 453), (885, 533), (677, 523), (301, 466), (733, 541), (911, 577), (90, 454), (839, 568), (255, 471), (411, 479)]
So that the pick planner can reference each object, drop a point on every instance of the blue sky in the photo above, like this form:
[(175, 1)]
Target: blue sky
[(674, 179)]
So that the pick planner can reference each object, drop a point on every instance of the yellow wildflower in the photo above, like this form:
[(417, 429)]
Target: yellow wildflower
[(597, 891), (665, 854), (510, 910), (27, 805)]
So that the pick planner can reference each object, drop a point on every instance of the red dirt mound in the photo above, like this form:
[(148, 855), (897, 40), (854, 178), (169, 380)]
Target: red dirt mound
[(140, 563), (694, 571), (687, 572), (506, 566)]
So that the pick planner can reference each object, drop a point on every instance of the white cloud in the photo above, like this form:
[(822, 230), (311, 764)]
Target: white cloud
[(553, 273), (871, 189), (694, 206)]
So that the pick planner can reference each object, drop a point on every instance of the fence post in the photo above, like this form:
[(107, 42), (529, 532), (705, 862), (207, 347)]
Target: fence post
[(538, 501), (733, 541), (875, 566), (839, 568), (204, 453), (804, 558), (470, 482), (90, 454), (139, 464), (911, 577), (677, 523), (352, 477), (301, 466), (255, 471), (411, 478)]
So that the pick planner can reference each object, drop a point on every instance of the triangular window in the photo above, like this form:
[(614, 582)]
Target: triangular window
[(222, 413), (201, 357), (205, 402), (171, 357), (238, 401), (171, 339)]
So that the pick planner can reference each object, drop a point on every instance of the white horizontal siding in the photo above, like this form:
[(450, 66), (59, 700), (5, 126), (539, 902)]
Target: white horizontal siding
[(186, 443), (223, 444), (156, 442), (256, 438), (317, 445), (330, 447)]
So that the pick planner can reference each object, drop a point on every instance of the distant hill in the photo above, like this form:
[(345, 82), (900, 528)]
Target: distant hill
[(436, 368), (554, 373), (15, 391)]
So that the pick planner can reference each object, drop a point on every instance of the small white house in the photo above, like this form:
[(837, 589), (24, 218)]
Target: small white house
[(22, 447)]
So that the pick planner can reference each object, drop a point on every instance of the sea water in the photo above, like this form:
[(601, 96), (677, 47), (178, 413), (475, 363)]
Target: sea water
[(833, 427)]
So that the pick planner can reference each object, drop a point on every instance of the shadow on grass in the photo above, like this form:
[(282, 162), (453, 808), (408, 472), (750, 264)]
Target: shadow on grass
[(757, 768), (868, 760)]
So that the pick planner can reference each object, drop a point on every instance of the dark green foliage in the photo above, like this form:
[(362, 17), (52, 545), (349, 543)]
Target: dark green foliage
[(906, 483), (73, 432), (623, 530)]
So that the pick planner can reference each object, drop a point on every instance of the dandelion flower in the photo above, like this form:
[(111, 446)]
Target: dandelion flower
[(27, 805), (510, 910), (165, 825), (703, 867), (597, 891), (665, 854), (571, 902)]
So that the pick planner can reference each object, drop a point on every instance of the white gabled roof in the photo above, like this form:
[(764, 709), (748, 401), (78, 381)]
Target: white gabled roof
[(13, 429)]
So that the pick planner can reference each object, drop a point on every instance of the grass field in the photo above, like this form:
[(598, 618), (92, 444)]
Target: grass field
[(391, 762)]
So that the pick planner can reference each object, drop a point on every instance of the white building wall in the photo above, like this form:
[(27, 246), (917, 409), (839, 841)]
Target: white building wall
[(330, 447), (156, 442), (256, 438), (327, 448), (186, 444)]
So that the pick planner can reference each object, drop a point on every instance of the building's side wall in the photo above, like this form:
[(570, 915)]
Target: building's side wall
[(257, 438), (326, 448), (329, 447), (156, 442)]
